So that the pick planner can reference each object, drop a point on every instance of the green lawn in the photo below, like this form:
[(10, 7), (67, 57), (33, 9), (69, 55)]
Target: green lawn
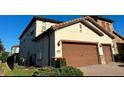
[(18, 70)]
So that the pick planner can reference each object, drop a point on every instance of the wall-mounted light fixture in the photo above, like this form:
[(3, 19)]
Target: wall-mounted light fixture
[(58, 43)]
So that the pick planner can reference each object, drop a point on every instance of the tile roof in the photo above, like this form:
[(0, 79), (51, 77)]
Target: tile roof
[(95, 17), (38, 18), (99, 26), (68, 23), (118, 35)]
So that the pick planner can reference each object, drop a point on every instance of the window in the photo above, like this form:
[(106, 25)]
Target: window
[(80, 28), (120, 48), (43, 26)]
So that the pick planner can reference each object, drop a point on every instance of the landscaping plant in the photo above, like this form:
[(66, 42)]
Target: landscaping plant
[(63, 71)]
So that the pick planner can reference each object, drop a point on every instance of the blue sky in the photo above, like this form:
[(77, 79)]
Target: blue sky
[(11, 26)]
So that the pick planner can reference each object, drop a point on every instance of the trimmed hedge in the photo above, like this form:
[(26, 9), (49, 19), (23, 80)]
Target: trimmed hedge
[(63, 71)]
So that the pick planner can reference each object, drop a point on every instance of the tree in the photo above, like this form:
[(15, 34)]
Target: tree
[(3, 53), (1, 47), (4, 56)]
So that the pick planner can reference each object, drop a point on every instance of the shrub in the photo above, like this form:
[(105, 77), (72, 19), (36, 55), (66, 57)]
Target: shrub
[(63, 71), (16, 58), (47, 71), (60, 62), (21, 62), (10, 62), (70, 71), (4, 56)]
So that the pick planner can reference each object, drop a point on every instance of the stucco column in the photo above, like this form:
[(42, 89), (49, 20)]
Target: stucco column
[(101, 56)]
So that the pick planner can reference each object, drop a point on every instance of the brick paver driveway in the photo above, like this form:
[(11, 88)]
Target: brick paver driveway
[(111, 69)]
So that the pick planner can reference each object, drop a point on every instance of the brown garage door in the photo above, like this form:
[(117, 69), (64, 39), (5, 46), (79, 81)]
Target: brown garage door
[(78, 54), (107, 53)]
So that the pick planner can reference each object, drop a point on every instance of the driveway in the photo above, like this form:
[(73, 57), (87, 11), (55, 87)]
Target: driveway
[(111, 69)]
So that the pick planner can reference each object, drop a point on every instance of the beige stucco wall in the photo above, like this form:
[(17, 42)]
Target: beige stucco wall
[(117, 38), (114, 49), (40, 48), (73, 33), (39, 26)]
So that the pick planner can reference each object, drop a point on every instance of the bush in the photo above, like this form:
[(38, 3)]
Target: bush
[(70, 71), (21, 62), (4, 56), (47, 71), (60, 62), (10, 62), (63, 71)]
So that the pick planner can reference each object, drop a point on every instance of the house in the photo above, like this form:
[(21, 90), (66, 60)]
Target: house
[(14, 53), (83, 41), (28, 47), (15, 49)]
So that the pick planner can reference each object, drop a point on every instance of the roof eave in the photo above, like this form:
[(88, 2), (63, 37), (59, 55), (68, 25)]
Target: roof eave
[(101, 17), (99, 26), (31, 22), (43, 34), (118, 35), (83, 22), (47, 19), (38, 18)]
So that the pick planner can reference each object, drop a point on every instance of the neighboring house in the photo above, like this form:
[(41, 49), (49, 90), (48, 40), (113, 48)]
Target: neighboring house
[(14, 53), (82, 41), (15, 49)]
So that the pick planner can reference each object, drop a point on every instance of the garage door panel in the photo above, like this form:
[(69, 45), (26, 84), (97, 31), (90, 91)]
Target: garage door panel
[(107, 53), (80, 54)]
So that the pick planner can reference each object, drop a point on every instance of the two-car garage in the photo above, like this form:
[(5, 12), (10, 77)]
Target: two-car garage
[(79, 54)]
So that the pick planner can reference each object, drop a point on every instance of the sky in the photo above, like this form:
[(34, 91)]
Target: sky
[(12, 26)]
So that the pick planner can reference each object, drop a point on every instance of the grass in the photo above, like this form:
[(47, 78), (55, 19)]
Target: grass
[(18, 70)]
